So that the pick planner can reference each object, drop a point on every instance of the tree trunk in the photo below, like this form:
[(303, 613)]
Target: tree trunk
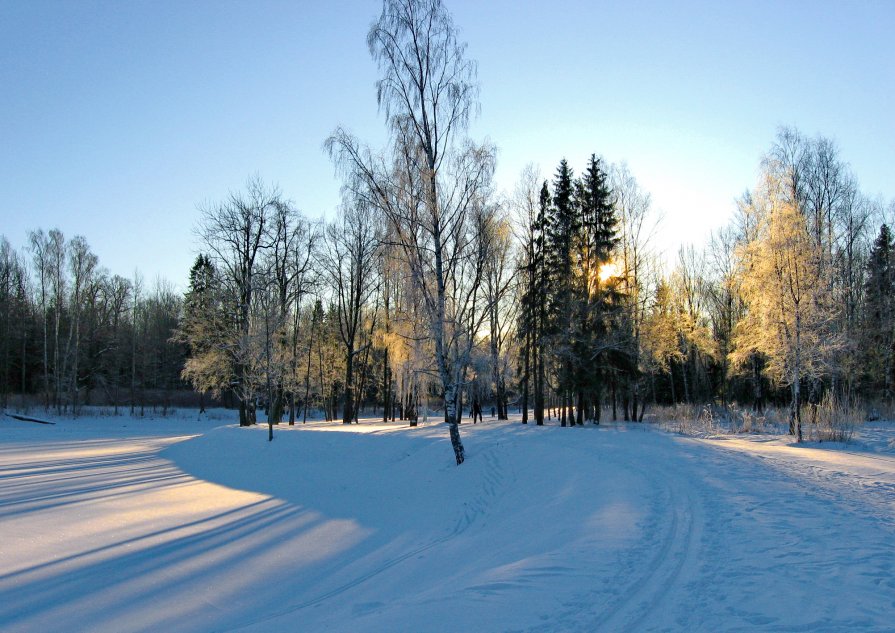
[(386, 386), (889, 368), (276, 402), (77, 355), (243, 413), (451, 413), (671, 380), (304, 418), (348, 411), (46, 346), (525, 378), (539, 388), (411, 404), (614, 400)]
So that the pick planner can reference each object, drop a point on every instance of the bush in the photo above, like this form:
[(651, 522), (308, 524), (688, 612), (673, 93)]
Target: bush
[(833, 420)]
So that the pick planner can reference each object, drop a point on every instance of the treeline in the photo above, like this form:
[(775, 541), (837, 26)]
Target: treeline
[(805, 273), (72, 333), (430, 288), (571, 311), (790, 304)]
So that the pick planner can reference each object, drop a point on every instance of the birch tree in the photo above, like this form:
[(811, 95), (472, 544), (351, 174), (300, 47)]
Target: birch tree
[(637, 268), (235, 233), (82, 264), (525, 205), (501, 305), (427, 91), (789, 316), (350, 263), (39, 245)]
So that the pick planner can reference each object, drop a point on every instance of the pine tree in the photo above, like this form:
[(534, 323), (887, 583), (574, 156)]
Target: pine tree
[(597, 347), (879, 315), (532, 306), (539, 307), (562, 226), (208, 367)]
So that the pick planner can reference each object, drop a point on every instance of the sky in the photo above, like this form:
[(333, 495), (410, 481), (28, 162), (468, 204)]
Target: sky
[(120, 120)]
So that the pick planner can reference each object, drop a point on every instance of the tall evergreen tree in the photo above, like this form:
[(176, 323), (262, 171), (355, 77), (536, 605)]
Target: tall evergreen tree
[(562, 226), (879, 315), (208, 367), (597, 352), (539, 300)]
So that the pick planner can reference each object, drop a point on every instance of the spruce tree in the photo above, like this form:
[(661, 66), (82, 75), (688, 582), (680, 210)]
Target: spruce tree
[(539, 301), (879, 314), (563, 224), (597, 350), (208, 367)]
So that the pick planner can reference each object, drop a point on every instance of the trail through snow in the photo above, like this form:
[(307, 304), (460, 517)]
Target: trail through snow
[(177, 525)]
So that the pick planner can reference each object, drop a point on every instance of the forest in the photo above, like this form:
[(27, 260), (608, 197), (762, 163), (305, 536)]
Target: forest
[(431, 290)]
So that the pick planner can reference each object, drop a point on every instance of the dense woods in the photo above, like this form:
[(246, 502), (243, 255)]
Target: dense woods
[(72, 333), (428, 290)]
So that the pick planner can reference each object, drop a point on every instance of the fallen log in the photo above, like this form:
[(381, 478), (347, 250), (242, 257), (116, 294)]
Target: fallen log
[(25, 418)]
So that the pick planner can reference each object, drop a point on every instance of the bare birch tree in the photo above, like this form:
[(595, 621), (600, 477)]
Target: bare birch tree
[(427, 90), (350, 263), (82, 263), (637, 267), (236, 233), (40, 251)]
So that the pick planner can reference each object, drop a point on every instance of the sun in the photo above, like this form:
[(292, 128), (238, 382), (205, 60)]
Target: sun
[(608, 270)]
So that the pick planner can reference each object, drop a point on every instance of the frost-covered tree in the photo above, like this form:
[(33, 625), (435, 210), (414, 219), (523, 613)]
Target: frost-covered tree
[(13, 321), (350, 265), (434, 179), (289, 272), (235, 233), (636, 272), (600, 352), (662, 351), (563, 224), (203, 329), (496, 241), (525, 206), (82, 265), (789, 317)]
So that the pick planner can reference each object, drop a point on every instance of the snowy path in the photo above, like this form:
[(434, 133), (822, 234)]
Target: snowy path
[(862, 479), (182, 527)]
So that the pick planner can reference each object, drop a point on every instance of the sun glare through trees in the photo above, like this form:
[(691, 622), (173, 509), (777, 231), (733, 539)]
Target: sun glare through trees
[(485, 316)]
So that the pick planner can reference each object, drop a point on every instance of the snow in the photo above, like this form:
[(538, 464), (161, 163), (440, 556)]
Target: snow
[(179, 524)]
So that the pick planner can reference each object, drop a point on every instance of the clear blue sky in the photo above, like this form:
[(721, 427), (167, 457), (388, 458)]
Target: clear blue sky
[(118, 118)]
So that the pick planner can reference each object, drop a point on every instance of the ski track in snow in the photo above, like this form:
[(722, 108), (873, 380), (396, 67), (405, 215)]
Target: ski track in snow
[(645, 597), (543, 529)]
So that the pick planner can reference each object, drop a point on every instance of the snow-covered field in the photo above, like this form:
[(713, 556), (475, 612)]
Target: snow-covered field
[(113, 524)]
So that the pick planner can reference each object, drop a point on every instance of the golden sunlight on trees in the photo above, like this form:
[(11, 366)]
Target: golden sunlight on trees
[(789, 310), (609, 270)]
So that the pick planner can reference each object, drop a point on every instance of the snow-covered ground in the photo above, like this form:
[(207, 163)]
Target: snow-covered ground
[(113, 524)]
